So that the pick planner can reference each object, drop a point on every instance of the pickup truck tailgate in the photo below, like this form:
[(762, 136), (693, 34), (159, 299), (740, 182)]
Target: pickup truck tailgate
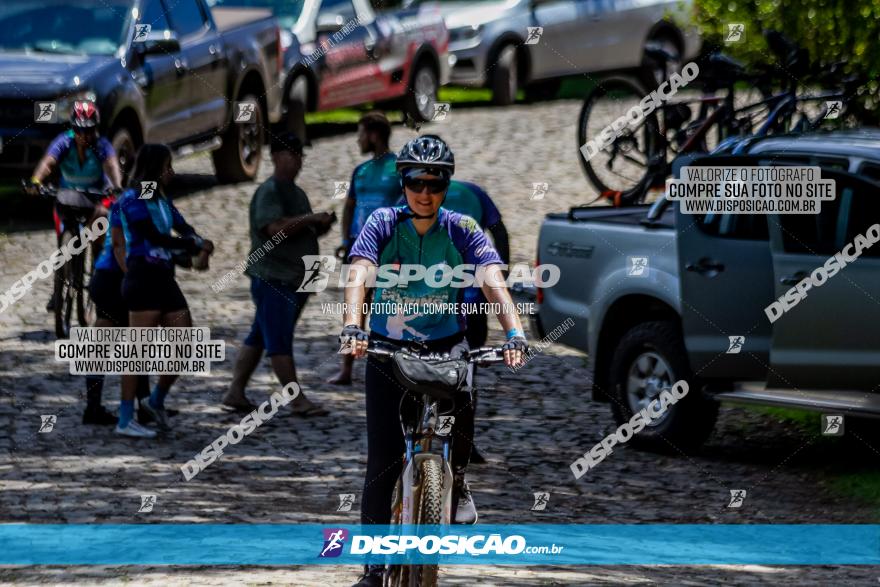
[(593, 249)]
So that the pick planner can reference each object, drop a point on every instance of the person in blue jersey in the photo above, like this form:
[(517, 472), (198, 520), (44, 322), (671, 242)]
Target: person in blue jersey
[(84, 160), (419, 233), (105, 290), (149, 288), (374, 184)]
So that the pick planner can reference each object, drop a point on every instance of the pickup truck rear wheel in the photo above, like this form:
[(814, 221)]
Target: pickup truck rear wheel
[(239, 157), (422, 93), (125, 147), (649, 358)]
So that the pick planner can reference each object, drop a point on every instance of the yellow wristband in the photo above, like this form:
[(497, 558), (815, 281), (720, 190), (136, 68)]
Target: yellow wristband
[(36, 181)]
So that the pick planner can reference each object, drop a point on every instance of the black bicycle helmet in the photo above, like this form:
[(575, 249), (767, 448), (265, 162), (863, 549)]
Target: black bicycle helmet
[(84, 115), (428, 152)]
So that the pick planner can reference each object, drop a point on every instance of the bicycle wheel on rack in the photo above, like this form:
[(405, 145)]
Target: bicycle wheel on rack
[(624, 164)]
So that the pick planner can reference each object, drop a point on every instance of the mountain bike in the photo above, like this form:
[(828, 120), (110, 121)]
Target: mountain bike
[(423, 493), (640, 157), (76, 208)]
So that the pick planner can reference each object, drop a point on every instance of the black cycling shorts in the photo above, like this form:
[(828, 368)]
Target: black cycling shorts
[(105, 289), (149, 286)]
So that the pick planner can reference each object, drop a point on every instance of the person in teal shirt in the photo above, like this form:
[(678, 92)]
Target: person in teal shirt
[(374, 184)]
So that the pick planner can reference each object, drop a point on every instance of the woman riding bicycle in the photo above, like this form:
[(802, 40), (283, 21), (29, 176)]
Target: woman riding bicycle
[(85, 160), (425, 234), (149, 288)]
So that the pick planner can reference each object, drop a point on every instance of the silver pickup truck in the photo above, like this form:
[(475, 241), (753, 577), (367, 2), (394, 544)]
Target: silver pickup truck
[(658, 296)]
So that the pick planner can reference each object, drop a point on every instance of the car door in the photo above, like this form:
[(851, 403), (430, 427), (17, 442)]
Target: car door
[(347, 72), (204, 68), (726, 277), (557, 52), (831, 338), (158, 75)]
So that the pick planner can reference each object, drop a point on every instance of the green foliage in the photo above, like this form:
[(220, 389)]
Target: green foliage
[(843, 32), (830, 30)]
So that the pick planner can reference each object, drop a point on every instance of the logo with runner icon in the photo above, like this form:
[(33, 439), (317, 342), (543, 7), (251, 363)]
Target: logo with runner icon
[(318, 270), (539, 190), (334, 540), (737, 498), (141, 32), (534, 35), (45, 112), (735, 344), (47, 423), (346, 500), (542, 498), (148, 190), (638, 266), (245, 111), (832, 425), (444, 425), (340, 189)]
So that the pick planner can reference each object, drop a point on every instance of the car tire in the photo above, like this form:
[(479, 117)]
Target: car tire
[(504, 77), (238, 159), (297, 106), (649, 357), (126, 149), (421, 94)]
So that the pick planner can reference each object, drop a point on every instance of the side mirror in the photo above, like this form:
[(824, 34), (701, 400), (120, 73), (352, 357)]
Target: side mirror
[(329, 23), (156, 43)]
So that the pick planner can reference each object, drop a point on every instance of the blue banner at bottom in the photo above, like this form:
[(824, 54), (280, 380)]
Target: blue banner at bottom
[(538, 544)]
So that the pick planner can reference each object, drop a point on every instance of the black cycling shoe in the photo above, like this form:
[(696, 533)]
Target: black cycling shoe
[(372, 577), (99, 416)]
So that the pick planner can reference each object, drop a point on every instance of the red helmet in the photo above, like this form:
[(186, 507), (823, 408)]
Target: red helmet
[(84, 115)]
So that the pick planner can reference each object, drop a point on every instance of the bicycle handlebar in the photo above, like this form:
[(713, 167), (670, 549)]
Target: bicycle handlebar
[(481, 356)]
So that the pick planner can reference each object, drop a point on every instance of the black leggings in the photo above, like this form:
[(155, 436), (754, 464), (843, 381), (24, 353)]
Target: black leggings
[(385, 445)]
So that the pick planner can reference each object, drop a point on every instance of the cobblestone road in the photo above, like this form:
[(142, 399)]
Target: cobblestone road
[(531, 425)]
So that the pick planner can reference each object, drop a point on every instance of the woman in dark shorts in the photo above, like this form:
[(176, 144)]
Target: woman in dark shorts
[(149, 289), (105, 290)]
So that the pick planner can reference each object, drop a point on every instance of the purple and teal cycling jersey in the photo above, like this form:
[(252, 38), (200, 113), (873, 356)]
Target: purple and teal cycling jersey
[(106, 260), (164, 216), (86, 175), (409, 313)]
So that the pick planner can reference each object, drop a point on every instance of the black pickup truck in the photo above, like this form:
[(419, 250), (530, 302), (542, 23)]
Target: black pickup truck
[(178, 81)]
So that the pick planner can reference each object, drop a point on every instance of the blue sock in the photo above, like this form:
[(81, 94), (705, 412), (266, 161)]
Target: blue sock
[(126, 412), (157, 398)]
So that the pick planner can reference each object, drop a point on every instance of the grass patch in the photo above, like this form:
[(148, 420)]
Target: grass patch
[(809, 421), (844, 476)]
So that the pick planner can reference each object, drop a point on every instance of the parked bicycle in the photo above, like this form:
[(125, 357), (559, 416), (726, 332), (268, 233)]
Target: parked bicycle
[(423, 494), (640, 157), (76, 210)]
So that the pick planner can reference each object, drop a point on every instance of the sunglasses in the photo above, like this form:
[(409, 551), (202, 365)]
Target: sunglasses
[(435, 186), (85, 131)]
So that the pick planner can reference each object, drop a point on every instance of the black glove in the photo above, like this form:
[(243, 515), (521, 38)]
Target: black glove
[(517, 343), (349, 335), (195, 244)]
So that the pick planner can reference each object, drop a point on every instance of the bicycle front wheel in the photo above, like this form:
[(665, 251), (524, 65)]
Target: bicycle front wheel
[(624, 163), (67, 289), (430, 513)]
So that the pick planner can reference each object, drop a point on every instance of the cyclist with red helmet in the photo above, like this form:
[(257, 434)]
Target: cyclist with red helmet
[(84, 160)]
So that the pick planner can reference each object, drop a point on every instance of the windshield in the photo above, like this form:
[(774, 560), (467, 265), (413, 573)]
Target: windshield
[(286, 11), (69, 27)]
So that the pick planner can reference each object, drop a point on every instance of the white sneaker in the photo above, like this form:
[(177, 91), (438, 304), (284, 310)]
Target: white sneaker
[(466, 511), (135, 430)]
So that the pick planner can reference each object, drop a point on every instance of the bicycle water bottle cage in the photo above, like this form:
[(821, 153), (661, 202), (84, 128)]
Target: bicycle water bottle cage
[(437, 379)]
